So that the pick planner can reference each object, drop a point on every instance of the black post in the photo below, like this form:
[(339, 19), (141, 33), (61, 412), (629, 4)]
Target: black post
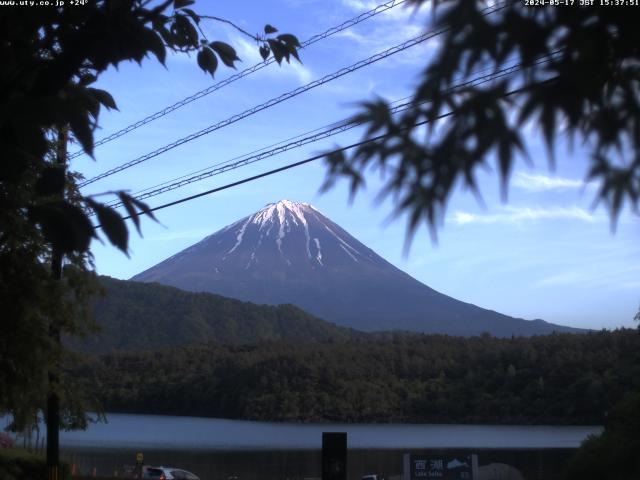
[(53, 429), (334, 456), (53, 400)]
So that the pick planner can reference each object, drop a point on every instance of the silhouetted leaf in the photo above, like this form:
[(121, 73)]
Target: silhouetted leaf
[(279, 51), (185, 34), (264, 52), (182, 3), (81, 129), (144, 208), (548, 120), (87, 79), (166, 34), (294, 52), (132, 205), (51, 181), (159, 21), (226, 52), (194, 16), (269, 29), (151, 41), (207, 60), (64, 226), (289, 39), (377, 115), (504, 161), (104, 97), (131, 209), (112, 225)]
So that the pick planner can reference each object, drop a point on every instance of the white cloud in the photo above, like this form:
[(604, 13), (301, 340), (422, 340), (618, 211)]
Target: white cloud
[(249, 54), (462, 217), (595, 276), (519, 215), (391, 27), (565, 278), (381, 39), (351, 35), (539, 183), (399, 12)]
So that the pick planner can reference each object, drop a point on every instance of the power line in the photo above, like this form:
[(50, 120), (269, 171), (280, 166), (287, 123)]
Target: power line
[(241, 157), (303, 139), (296, 164), (283, 142), (270, 103), (247, 71), (246, 159), (278, 170), (273, 102)]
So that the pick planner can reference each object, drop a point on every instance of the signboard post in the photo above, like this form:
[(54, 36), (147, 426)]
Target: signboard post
[(334, 456), (137, 471), (440, 467)]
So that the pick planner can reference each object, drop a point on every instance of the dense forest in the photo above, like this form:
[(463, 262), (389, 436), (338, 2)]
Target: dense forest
[(135, 315), (555, 379)]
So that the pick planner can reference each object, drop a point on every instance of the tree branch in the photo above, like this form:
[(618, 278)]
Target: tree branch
[(229, 22)]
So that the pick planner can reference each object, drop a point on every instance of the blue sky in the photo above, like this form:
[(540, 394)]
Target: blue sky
[(544, 254)]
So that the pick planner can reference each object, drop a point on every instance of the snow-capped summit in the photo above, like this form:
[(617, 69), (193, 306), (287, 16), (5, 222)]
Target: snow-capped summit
[(289, 252), (298, 232), (279, 211)]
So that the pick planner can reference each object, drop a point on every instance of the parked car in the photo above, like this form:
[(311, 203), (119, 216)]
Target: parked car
[(371, 477), (167, 473)]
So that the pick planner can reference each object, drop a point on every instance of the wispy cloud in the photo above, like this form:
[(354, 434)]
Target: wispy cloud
[(540, 183), (250, 55), (390, 27), (560, 279), (519, 215), (381, 38), (615, 275), (400, 12)]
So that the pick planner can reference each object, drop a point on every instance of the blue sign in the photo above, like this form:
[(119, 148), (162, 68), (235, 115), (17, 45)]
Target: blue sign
[(440, 467)]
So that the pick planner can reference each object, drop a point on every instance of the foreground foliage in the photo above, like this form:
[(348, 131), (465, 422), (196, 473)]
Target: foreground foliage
[(578, 84), (614, 454), (16, 464), (52, 57), (560, 378)]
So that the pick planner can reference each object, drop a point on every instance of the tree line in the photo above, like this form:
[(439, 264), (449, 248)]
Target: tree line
[(552, 379)]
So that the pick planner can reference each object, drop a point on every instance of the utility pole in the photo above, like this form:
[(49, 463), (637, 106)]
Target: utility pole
[(53, 399)]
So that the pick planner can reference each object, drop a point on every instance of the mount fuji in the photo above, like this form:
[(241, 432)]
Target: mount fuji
[(289, 252)]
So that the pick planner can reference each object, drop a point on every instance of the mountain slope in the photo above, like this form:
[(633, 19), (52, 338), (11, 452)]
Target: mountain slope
[(290, 253), (140, 316)]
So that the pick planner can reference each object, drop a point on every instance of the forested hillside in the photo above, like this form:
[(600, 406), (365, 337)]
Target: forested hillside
[(141, 316), (559, 378)]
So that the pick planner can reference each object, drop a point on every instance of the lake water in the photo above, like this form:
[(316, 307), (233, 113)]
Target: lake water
[(216, 449), (192, 433)]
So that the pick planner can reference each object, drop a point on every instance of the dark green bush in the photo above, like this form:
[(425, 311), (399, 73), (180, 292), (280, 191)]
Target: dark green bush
[(614, 454), (17, 464)]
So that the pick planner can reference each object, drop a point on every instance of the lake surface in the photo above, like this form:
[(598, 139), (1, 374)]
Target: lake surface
[(217, 449), (191, 433)]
